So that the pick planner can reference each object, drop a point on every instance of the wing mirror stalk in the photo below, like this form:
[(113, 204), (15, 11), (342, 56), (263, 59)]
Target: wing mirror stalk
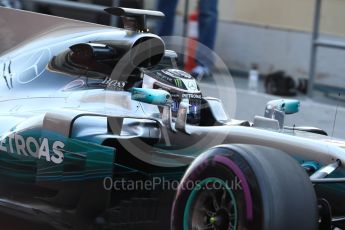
[(182, 114), (156, 97), (163, 98), (277, 109)]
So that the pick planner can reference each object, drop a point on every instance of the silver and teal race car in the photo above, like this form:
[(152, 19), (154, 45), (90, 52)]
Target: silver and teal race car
[(99, 129)]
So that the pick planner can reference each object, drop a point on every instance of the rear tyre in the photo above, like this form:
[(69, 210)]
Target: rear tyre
[(245, 187)]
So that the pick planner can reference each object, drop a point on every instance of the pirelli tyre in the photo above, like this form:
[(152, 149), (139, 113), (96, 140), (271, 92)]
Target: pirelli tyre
[(245, 187)]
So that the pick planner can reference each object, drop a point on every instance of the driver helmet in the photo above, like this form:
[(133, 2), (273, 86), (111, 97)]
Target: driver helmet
[(182, 87)]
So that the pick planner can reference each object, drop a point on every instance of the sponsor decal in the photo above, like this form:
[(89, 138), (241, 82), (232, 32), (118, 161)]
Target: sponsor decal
[(169, 73), (25, 68), (40, 148), (163, 77), (175, 73), (181, 73), (191, 85), (32, 65), (7, 73), (191, 96), (76, 84), (178, 82), (114, 84)]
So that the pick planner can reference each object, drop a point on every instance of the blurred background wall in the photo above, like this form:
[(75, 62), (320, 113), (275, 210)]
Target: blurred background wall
[(275, 34)]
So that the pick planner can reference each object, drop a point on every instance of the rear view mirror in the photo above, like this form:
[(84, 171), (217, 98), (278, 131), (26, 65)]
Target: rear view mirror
[(152, 96), (276, 109), (292, 106), (156, 97), (287, 106)]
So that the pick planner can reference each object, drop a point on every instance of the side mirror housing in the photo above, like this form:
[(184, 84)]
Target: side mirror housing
[(156, 97), (151, 96), (292, 106), (287, 106), (277, 109)]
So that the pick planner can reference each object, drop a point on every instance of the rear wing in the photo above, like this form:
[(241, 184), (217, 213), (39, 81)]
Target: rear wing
[(134, 19)]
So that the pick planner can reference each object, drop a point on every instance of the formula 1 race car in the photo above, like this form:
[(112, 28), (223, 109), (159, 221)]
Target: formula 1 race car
[(90, 115)]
